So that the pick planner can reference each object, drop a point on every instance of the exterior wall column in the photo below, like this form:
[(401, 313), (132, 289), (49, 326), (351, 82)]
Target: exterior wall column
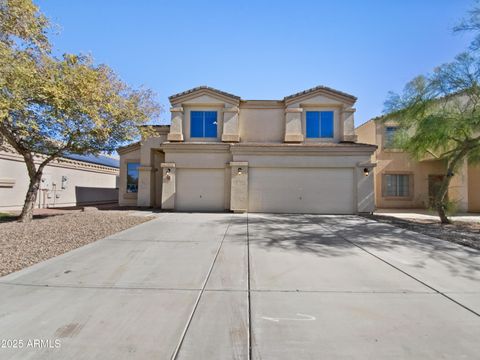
[(458, 189), (168, 186), (365, 187), (146, 176), (293, 125), (145, 184), (347, 125), (239, 186), (230, 125), (176, 126)]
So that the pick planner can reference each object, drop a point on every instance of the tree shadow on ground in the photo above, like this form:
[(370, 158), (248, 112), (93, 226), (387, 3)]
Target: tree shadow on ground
[(345, 235)]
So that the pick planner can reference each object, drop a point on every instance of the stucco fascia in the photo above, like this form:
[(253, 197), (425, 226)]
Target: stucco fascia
[(303, 149)]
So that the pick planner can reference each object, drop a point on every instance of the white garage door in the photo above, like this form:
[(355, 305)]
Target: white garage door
[(200, 190), (301, 190)]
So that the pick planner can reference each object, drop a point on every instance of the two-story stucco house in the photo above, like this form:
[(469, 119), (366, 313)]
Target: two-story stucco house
[(403, 182), (222, 153)]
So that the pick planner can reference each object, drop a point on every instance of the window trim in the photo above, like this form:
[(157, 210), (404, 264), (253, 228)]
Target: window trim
[(334, 112), (216, 111), (131, 193), (411, 188)]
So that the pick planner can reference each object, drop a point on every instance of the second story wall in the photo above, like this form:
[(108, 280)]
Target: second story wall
[(317, 115), (367, 133), (262, 122)]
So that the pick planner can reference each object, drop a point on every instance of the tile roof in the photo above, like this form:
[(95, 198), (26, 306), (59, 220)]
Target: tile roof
[(320, 87), (203, 87)]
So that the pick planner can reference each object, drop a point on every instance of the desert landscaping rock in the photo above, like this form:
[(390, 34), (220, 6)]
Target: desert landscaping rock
[(23, 245), (460, 232)]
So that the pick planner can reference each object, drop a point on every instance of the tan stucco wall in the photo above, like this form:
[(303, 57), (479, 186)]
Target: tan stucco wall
[(84, 185), (367, 133), (458, 191), (474, 188), (262, 125)]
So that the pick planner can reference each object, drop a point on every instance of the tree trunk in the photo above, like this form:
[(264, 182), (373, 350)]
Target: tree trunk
[(440, 197), (441, 213), (442, 193), (31, 197)]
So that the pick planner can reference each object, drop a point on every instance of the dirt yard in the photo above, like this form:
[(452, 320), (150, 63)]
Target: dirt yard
[(56, 232), (460, 232)]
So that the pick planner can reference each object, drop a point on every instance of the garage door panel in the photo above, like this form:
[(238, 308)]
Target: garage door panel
[(200, 190), (301, 190)]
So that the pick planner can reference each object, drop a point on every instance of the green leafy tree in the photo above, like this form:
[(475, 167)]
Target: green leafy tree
[(438, 116), (52, 106)]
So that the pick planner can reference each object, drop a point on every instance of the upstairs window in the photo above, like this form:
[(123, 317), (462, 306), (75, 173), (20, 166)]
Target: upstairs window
[(203, 124), (319, 124), (132, 177), (390, 136), (396, 185)]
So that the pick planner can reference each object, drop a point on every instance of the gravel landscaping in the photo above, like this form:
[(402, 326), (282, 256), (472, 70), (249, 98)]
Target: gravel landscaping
[(22, 245), (463, 233)]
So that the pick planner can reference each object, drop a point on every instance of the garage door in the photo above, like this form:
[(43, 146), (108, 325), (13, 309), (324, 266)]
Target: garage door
[(301, 190), (200, 190)]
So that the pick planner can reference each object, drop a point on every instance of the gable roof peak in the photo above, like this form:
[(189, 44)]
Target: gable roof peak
[(320, 87), (202, 87)]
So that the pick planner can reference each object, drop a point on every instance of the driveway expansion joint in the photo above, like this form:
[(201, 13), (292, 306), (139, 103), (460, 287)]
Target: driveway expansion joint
[(197, 301), (93, 287), (444, 294)]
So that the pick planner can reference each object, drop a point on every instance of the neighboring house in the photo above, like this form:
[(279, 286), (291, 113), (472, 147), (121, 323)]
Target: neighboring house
[(69, 181), (295, 155), (402, 182)]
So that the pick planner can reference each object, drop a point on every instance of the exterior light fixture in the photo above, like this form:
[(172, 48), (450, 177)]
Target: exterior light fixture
[(167, 174), (240, 170), (366, 171)]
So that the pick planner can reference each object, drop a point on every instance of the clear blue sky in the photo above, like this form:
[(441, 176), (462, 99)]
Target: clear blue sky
[(264, 49)]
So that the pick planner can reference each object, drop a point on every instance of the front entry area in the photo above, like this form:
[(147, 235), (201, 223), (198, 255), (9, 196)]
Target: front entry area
[(200, 190), (301, 190)]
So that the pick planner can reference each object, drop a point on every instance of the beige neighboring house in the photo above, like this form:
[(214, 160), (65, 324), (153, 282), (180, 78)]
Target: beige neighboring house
[(73, 181), (402, 182), (221, 153)]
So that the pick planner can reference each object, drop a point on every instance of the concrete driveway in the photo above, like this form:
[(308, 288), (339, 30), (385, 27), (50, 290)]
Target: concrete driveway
[(223, 286)]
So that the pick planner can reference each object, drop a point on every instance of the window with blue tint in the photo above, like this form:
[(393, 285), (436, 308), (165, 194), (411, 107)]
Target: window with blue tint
[(313, 124), (210, 124), (326, 124), (196, 124), (203, 124), (132, 177), (319, 124)]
